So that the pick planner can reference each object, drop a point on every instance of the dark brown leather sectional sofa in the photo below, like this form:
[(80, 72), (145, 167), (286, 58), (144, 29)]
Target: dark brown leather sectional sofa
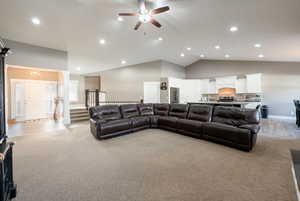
[(230, 126)]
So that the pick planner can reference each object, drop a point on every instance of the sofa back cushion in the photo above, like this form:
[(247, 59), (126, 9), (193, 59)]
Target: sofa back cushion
[(129, 110), (106, 112), (200, 112), (146, 109), (179, 110), (161, 109), (235, 116)]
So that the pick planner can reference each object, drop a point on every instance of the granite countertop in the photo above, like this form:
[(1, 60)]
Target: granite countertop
[(222, 103)]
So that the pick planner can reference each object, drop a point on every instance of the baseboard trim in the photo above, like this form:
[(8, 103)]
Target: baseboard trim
[(282, 117)]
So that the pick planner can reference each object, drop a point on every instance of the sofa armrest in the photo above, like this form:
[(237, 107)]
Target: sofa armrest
[(95, 127), (254, 128)]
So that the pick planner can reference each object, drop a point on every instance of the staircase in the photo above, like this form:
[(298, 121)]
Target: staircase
[(79, 114)]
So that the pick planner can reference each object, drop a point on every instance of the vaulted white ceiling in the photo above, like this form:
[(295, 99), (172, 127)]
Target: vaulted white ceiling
[(77, 26)]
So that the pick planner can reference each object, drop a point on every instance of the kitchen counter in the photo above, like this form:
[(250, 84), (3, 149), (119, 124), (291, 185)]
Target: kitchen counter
[(221, 103), (241, 104)]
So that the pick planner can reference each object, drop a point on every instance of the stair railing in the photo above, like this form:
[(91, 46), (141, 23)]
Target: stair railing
[(96, 97)]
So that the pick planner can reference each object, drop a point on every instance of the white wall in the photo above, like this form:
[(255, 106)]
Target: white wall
[(39, 57), (127, 83), (169, 69)]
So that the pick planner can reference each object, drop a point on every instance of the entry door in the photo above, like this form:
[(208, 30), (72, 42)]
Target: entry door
[(34, 99), (151, 92)]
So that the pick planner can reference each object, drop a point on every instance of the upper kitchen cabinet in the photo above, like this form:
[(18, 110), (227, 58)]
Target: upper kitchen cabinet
[(208, 86), (190, 91), (226, 82), (204, 86), (254, 83), (212, 86), (241, 85)]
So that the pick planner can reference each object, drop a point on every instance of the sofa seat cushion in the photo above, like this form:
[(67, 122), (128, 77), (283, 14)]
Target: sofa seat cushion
[(115, 126), (189, 125), (140, 122), (167, 121), (227, 132)]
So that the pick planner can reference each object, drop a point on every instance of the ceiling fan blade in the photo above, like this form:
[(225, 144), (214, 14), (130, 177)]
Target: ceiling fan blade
[(155, 23), (138, 24), (128, 14), (142, 4), (160, 10)]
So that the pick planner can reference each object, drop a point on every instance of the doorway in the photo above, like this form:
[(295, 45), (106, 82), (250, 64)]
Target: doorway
[(33, 99), (151, 92)]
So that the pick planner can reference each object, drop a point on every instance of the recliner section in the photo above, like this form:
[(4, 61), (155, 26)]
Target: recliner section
[(196, 117), (132, 113), (226, 125), (176, 112), (107, 121)]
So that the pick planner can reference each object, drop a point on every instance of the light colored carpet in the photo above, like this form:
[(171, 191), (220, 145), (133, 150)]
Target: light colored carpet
[(150, 165)]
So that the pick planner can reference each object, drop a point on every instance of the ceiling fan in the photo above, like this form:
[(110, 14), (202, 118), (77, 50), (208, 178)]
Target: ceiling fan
[(146, 16)]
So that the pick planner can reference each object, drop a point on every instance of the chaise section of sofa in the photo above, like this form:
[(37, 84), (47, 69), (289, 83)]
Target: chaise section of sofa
[(233, 126)]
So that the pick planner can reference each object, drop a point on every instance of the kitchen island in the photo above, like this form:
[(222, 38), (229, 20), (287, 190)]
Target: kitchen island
[(240, 104)]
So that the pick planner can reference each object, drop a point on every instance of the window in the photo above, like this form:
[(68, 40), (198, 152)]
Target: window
[(73, 90)]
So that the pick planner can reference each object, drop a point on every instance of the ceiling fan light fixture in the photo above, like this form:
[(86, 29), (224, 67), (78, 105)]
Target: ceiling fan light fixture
[(144, 11), (145, 18)]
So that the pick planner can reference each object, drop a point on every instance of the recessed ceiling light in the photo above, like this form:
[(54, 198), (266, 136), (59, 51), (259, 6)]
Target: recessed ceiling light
[(123, 62), (217, 47), (257, 45), (182, 55), (120, 19), (160, 38), (102, 41), (78, 68), (189, 49), (202, 55), (261, 56), (233, 29), (227, 55), (36, 21)]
